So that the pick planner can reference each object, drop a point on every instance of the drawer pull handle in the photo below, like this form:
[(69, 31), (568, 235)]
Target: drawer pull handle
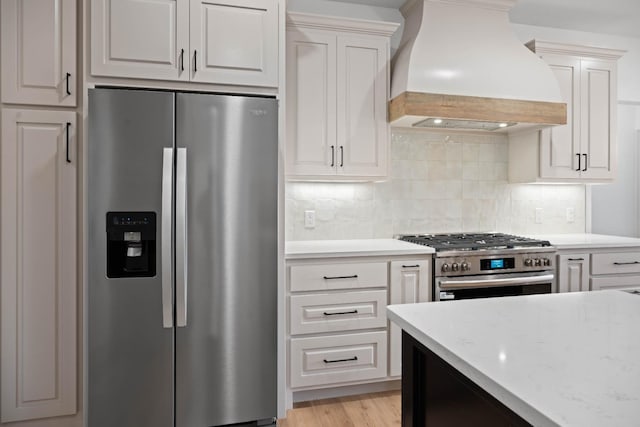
[(351, 359), (575, 259), (355, 276), (626, 263), (341, 312), (411, 266), (68, 76)]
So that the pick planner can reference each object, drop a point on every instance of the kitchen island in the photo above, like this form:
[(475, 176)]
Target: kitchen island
[(544, 360)]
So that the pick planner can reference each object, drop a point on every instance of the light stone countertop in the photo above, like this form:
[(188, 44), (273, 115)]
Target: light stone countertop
[(352, 247), (588, 241), (569, 359)]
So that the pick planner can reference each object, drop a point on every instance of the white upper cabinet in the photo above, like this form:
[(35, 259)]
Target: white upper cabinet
[(235, 42), (583, 150), (38, 44), (38, 300), (362, 129), (140, 39), (232, 42), (337, 91), (311, 129)]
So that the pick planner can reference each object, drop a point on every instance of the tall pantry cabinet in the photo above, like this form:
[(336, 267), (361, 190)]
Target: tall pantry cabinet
[(38, 226)]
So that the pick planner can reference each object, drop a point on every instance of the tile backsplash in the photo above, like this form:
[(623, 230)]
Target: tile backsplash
[(438, 183)]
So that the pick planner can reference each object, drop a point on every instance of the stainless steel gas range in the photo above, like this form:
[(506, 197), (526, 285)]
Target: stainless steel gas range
[(483, 265)]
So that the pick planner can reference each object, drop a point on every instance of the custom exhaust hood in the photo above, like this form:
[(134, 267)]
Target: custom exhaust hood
[(460, 66)]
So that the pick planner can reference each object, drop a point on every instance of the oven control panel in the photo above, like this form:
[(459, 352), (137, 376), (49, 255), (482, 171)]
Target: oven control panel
[(466, 265)]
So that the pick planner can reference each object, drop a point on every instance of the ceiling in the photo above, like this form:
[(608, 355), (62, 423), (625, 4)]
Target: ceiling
[(620, 17)]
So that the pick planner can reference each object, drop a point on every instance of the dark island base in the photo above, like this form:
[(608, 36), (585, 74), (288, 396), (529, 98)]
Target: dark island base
[(435, 394)]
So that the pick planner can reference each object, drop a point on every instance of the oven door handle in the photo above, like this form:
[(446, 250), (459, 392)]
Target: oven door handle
[(487, 283)]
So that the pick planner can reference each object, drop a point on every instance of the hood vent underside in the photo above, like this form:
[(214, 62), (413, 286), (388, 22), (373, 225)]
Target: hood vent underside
[(438, 123)]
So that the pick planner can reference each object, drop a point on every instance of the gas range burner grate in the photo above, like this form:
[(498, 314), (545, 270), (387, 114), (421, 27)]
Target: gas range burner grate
[(473, 241)]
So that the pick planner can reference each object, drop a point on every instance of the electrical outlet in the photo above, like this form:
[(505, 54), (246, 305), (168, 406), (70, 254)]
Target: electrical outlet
[(571, 214), (309, 219), (538, 215)]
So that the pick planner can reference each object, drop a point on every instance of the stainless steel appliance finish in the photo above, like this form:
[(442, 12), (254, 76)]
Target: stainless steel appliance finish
[(196, 344), (488, 265)]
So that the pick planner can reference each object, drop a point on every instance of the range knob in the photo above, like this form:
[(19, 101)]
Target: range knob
[(455, 266), (528, 262), (445, 267), (538, 262), (464, 266), (546, 262)]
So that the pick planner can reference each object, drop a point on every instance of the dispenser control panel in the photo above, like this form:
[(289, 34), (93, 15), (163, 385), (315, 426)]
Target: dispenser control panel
[(131, 244)]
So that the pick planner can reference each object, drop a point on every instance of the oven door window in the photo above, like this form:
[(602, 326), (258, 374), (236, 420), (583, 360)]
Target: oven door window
[(502, 291)]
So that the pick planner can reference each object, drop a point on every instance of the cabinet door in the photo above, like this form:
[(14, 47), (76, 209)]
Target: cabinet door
[(311, 103), (38, 43), (234, 42), (410, 283), (598, 113), (573, 273), (615, 282), (147, 39), (362, 131), (560, 145), (38, 227)]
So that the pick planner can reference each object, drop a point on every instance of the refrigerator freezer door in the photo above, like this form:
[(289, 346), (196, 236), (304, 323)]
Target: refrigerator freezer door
[(226, 353), (130, 353)]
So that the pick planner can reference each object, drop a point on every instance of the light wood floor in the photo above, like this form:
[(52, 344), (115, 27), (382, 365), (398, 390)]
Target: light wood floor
[(366, 410)]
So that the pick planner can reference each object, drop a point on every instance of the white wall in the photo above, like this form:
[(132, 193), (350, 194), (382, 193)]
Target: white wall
[(615, 206)]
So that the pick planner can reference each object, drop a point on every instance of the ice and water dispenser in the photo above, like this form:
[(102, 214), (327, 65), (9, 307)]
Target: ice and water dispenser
[(131, 244)]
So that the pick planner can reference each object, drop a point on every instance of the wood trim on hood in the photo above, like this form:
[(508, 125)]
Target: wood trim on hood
[(422, 105)]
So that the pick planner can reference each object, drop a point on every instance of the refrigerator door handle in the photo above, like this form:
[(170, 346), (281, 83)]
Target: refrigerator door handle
[(167, 219), (181, 238)]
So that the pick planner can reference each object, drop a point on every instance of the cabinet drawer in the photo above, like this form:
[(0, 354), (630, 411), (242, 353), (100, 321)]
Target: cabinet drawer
[(613, 263), (320, 277), (618, 282), (338, 358), (338, 312)]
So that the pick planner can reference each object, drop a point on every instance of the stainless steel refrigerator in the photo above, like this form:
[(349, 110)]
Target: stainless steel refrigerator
[(182, 259)]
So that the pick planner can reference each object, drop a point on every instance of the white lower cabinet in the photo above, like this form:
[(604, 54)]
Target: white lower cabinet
[(410, 283), (615, 270), (39, 271), (615, 263), (338, 332), (573, 272), (338, 358), (624, 282), (599, 269), (338, 312)]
